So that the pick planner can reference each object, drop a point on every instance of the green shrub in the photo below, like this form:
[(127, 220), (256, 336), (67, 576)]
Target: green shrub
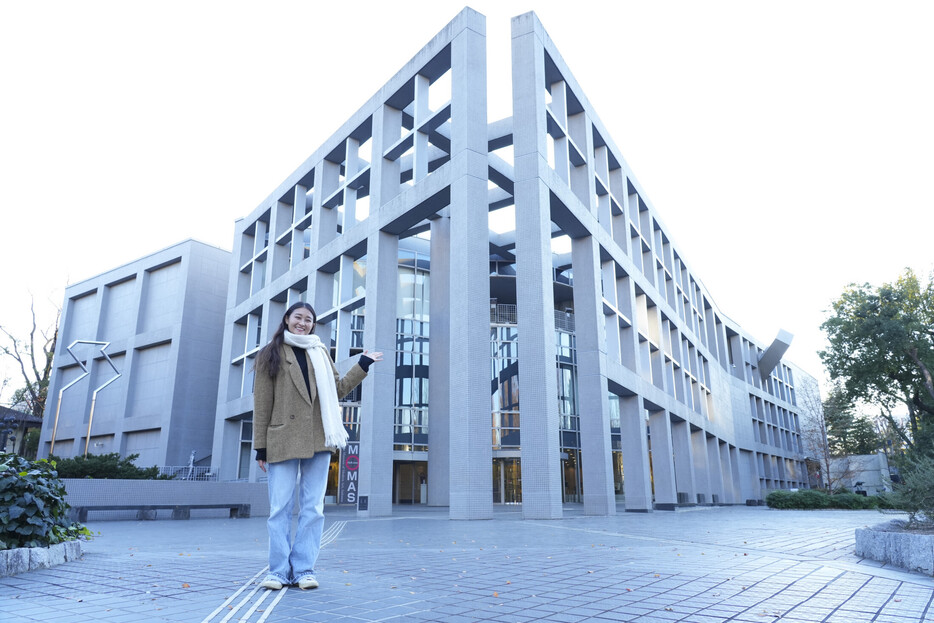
[(106, 466), (852, 501), (809, 499), (884, 502), (915, 493), (33, 511), (780, 498)]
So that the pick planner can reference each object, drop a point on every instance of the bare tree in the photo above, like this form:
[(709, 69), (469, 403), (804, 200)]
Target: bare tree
[(892, 431), (32, 356), (830, 470), (814, 433)]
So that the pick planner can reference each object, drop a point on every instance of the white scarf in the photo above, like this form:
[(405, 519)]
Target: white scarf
[(334, 434)]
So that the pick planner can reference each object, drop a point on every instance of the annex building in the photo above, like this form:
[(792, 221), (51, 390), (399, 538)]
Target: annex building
[(545, 340), (159, 321)]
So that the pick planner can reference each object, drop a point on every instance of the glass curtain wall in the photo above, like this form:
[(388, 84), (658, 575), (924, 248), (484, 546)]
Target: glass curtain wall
[(411, 357), (617, 441), (410, 432), (507, 468), (568, 415)]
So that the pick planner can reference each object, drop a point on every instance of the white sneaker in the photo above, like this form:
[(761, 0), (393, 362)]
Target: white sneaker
[(271, 582), (309, 581)]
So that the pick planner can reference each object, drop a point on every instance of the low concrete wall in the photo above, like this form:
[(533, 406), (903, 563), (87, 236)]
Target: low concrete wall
[(100, 491), (890, 544), (23, 559)]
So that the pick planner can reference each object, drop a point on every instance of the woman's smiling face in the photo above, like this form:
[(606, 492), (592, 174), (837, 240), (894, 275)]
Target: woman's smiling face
[(300, 322)]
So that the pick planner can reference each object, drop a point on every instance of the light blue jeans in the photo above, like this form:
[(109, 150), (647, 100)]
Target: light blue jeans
[(290, 560)]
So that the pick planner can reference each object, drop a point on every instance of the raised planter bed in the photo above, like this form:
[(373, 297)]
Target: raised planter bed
[(891, 544), (23, 559)]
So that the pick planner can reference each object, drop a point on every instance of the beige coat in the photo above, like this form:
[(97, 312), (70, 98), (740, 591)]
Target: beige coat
[(286, 420)]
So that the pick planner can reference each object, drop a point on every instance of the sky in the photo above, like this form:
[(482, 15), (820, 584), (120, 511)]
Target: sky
[(787, 147)]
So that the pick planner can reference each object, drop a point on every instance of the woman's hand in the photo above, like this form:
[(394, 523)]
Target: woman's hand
[(262, 465), (375, 355)]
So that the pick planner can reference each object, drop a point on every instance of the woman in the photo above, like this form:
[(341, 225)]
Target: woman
[(296, 424)]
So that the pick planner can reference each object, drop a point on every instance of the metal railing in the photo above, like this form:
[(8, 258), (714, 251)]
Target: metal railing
[(503, 314), (506, 314), (188, 472)]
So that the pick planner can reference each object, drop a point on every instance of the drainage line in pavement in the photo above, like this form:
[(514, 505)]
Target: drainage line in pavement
[(243, 601), (259, 602), (329, 536), (332, 533), (221, 607), (272, 605)]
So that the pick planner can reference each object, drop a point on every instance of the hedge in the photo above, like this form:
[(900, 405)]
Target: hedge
[(810, 499)]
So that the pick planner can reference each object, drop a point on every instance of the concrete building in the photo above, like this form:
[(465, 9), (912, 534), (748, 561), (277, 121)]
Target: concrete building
[(574, 355), (162, 316), (867, 473)]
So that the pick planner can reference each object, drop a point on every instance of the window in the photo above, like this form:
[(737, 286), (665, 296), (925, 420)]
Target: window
[(246, 444)]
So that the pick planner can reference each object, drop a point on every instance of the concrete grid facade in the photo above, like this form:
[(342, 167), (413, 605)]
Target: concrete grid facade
[(163, 317), (543, 255)]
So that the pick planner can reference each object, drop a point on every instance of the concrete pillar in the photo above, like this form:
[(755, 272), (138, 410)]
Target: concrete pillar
[(714, 473), (581, 175), (280, 255), (738, 497), (610, 321), (324, 220), (593, 404), (603, 209), (439, 370), (471, 454), (749, 475), (559, 108), (297, 248), (701, 466), (684, 460), (638, 485), (377, 413), (351, 168), (657, 356), (663, 467), (726, 474), (377, 408), (420, 155), (628, 336), (321, 287), (384, 175), (343, 319), (541, 478)]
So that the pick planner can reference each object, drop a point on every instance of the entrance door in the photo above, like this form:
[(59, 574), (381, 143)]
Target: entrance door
[(409, 480), (507, 481), (570, 476)]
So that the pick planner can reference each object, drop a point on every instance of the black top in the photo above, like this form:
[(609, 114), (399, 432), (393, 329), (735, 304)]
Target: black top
[(303, 364)]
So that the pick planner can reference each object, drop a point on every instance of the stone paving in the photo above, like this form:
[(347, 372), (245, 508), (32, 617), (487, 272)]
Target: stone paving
[(705, 565)]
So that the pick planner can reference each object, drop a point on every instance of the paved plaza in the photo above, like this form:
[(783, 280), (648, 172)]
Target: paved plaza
[(705, 565)]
